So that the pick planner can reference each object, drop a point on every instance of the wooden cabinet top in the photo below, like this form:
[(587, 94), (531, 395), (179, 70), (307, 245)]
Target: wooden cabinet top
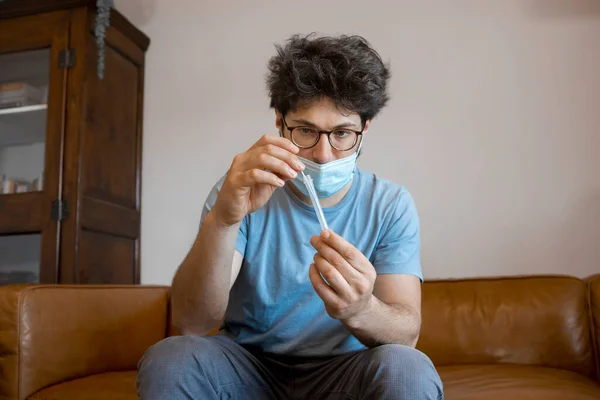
[(18, 8)]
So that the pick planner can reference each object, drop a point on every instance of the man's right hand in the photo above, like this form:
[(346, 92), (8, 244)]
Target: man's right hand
[(253, 177)]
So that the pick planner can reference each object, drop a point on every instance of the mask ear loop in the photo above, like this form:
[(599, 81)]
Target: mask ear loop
[(362, 139)]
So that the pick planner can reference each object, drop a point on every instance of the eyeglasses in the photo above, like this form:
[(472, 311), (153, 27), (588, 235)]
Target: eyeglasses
[(306, 137)]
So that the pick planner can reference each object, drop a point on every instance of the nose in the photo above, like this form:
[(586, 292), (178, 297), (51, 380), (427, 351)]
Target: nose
[(323, 152)]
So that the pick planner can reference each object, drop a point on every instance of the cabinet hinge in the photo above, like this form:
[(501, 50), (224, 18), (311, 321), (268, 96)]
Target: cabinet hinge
[(60, 210), (66, 58)]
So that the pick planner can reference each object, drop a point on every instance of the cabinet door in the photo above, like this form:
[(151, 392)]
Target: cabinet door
[(32, 97), (105, 186)]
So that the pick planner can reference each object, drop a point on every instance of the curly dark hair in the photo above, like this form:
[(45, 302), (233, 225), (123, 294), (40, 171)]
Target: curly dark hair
[(344, 68)]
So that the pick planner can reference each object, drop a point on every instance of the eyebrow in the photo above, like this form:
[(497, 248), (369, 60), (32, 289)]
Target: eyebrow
[(304, 122)]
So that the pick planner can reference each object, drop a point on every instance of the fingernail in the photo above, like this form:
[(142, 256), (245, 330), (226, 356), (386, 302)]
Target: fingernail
[(292, 172), (325, 234), (300, 166)]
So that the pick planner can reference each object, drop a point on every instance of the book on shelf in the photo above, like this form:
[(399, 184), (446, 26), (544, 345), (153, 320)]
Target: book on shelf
[(19, 94), (22, 187), (18, 103), (10, 186), (38, 183)]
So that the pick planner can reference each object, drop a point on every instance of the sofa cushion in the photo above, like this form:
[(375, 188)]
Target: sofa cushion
[(518, 382), (111, 385), (470, 382), (541, 321)]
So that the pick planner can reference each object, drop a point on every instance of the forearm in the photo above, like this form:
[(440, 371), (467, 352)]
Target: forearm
[(385, 324), (200, 289)]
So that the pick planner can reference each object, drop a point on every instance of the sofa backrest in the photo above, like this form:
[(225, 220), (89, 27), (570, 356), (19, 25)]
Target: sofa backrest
[(542, 321)]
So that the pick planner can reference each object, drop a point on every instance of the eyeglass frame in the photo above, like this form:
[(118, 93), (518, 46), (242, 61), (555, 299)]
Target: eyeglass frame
[(322, 132)]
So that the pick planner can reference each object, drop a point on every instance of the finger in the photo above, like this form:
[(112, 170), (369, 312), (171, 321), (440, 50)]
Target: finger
[(254, 176), (284, 155), (350, 253), (277, 141), (334, 258), (273, 164), (326, 293), (332, 276)]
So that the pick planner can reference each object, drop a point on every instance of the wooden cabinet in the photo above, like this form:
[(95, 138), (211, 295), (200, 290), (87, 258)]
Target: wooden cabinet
[(70, 145)]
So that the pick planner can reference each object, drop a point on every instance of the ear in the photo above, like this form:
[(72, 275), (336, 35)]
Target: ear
[(367, 125)]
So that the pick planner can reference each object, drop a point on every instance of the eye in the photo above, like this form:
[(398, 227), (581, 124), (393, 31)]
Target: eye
[(306, 131), (342, 134)]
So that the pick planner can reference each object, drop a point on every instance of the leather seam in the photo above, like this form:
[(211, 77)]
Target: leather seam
[(504, 278), (593, 328), (20, 302), (88, 287), (19, 361)]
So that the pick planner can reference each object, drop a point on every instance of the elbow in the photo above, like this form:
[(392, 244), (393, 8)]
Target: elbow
[(411, 330), (414, 334), (413, 340), (198, 326), (188, 329), (195, 319)]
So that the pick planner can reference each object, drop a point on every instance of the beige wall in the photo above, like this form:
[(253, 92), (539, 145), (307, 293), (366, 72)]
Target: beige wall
[(494, 124)]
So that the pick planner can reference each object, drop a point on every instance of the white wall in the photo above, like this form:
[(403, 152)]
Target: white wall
[(494, 123)]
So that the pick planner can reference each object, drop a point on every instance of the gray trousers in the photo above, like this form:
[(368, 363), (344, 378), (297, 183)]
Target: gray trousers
[(191, 367)]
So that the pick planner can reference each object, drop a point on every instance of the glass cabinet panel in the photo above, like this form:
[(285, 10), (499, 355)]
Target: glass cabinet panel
[(24, 79), (20, 259)]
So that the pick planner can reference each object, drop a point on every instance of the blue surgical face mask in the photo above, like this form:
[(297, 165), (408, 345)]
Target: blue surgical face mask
[(328, 178)]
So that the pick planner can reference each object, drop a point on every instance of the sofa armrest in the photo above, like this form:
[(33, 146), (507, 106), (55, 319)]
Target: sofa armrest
[(53, 333)]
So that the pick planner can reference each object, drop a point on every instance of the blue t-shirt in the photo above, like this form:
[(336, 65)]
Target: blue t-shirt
[(272, 304)]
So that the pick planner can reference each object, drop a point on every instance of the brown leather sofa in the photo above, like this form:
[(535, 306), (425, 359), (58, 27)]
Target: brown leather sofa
[(496, 338)]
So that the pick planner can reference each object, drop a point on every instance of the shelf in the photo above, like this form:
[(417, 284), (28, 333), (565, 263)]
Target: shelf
[(23, 125), (24, 109)]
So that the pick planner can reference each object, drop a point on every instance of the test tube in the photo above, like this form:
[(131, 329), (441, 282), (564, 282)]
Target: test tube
[(314, 198)]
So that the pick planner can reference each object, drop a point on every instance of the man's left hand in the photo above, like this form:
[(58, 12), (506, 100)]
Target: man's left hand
[(347, 289)]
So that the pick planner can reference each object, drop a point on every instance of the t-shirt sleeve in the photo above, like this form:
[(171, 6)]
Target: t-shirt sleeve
[(399, 248), (210, 202)]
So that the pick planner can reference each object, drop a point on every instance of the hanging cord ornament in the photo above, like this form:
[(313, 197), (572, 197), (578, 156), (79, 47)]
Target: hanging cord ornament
[(102, 22)]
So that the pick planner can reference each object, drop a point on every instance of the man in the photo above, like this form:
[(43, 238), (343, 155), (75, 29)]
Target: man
[(306, 314)]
